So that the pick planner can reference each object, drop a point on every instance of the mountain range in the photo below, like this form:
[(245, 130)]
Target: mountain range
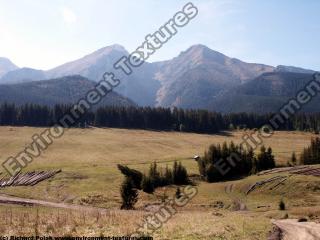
[(197, 78)]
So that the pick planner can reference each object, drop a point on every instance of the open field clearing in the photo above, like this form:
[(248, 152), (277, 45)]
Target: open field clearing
[(89, 177), (88, 158)]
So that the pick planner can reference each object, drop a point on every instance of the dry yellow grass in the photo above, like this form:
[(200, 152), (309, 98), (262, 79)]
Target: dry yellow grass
[(88, 159)]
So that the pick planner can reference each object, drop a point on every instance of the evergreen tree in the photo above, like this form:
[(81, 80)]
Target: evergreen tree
[(154, 174), (180, 175), (129, 194), (168, 176), (311, 154), (293, 159), (147, 184), (133, 174)]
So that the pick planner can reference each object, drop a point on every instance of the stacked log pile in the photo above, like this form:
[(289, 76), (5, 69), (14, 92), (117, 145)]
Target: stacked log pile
[(311, 171), (261, 183), (27, 179), (303, 170)]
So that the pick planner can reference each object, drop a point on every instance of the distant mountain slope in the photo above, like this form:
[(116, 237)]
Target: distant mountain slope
[(6, 66), (140, 86), (266, 93), (200, 73), (66, 90), (23, 75)]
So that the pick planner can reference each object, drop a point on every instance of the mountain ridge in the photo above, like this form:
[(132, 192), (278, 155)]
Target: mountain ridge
[(194, 78)]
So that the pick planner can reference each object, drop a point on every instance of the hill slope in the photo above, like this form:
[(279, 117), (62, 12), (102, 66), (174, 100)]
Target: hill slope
[(66, 90)]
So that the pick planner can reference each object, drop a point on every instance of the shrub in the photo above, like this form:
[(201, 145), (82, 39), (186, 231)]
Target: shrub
[(302, 219), (282, 205), (178, 193)]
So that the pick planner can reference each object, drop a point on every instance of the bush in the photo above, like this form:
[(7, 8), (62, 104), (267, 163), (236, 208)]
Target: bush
[(302, 219), (129, 194), (178, 193), (282, 205)]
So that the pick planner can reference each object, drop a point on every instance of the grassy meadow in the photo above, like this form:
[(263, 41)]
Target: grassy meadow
[(88, 159)]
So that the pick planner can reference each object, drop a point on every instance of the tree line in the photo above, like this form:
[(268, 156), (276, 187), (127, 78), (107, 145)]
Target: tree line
[(164, 119)]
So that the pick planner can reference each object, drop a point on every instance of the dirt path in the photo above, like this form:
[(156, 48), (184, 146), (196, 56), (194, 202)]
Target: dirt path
[(5, 199), (294, 230)]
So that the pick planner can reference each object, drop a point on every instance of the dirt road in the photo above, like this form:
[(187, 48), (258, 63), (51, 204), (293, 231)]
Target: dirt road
[(5, 199), (294, 230)]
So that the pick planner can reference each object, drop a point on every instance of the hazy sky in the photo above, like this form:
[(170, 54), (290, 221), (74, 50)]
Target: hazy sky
[(45, 33)]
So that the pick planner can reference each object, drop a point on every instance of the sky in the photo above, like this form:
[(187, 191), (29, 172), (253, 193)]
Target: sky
[(43, 34)]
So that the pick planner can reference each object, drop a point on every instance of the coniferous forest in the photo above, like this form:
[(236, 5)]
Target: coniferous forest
[(164, 119)]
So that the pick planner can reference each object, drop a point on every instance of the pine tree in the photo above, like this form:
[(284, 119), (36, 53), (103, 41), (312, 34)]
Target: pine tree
[(311, 154), (129, 194), (147, 184), (133, 174), (168, 176), (270, 157), (293, 159), (154, 174), (180, 175)]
